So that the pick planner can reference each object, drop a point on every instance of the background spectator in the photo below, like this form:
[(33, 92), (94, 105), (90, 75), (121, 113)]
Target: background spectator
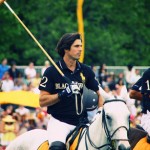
[(13, 71), (32, 123), (137, 75), (9, 110), (30, 71), (8, 84), (27, 80), (36, 80), (3, 67), (21, 110), (23, 127), (110, 81), (46, 65), (18, 84), (102, 74), (130, 75), (9, 130)]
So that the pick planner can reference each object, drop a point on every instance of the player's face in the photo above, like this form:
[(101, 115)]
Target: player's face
[(75, 50)]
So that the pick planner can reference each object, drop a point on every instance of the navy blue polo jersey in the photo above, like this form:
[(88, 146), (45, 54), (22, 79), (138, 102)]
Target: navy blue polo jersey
[(53, 82), (143, 85)]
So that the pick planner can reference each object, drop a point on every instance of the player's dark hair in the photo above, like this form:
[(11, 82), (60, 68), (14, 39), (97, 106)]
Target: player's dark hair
[(66, 41)]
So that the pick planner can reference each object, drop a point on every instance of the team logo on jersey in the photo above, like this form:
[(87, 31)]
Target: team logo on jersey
[(61, 86), (82, 77)]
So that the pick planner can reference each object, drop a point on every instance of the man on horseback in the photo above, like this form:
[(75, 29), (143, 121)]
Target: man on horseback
[(63, 96), (141, 91)]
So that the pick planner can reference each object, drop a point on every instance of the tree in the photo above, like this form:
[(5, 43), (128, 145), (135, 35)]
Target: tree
[(116, 32)]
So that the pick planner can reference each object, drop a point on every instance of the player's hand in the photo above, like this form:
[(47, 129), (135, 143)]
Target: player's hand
[(69, 90), (75, 88)]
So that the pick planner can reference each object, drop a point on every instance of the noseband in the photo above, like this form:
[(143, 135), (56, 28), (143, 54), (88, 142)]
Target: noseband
[(110, 145)]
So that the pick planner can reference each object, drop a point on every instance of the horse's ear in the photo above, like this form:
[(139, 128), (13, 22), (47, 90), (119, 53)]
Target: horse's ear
[(104, 94), (124, 93)]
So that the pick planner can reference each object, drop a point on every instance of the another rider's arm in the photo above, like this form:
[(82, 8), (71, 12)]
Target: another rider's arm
[(100, 99), (47, 99), (135, 95), (135, 92)]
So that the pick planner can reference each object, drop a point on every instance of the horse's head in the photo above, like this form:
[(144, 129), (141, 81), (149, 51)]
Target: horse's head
[(115, 117)]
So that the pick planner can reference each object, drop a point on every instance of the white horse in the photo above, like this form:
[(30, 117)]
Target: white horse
[(108, 129)]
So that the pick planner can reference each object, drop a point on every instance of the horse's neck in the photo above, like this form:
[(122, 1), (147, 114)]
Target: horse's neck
[(96, 131)]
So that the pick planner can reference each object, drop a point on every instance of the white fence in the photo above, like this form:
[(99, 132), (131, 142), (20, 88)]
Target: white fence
[(114, 69)]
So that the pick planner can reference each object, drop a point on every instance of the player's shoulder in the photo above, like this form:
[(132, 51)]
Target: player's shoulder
[(86, 67), (51, 70), (147, 72)]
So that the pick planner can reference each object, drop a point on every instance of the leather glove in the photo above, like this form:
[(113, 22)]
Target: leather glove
[(69, 90)]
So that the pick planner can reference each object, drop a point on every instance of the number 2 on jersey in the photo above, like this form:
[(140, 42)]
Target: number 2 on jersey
[(43, 82)]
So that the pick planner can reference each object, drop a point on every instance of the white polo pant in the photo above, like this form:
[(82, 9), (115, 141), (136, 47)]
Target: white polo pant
[(57, 130), (145, 122)]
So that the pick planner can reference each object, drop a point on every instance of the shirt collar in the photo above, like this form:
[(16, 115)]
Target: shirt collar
[(64, 66)]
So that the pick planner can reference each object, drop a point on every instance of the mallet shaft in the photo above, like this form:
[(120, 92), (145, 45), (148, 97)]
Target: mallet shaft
[(36, 41)]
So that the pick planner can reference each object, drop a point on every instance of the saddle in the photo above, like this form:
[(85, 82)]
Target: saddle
[(44, 146), (73, 139)]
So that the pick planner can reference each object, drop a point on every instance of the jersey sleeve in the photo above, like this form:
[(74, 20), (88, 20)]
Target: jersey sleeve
[(137, 85), (146, 82), (91, 82), (47, 83)]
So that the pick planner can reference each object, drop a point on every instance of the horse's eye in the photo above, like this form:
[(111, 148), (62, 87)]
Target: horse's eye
[(108, 117)]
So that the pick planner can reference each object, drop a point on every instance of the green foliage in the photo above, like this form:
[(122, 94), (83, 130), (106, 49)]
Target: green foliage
[(116, 32)]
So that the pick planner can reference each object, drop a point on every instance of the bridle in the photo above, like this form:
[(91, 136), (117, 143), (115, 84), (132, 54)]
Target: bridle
[(111, 141)]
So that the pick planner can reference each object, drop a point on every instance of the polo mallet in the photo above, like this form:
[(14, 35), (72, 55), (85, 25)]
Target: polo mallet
[(36, 41)]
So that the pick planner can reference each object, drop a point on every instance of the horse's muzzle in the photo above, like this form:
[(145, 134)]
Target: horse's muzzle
[(122, 147)]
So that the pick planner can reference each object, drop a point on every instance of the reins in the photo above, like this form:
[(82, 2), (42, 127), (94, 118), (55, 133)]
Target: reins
[(81, 104)]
